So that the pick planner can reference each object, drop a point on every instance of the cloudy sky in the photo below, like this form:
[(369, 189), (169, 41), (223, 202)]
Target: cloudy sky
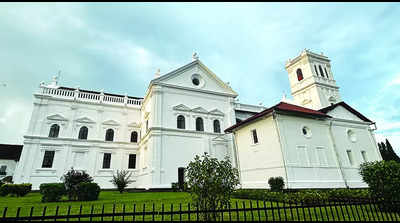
[(118, 47)]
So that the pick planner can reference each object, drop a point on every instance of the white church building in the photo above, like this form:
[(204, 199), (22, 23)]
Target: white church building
[(184, 113)]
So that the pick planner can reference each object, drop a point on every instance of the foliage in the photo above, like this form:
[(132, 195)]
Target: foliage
[(383, 179), (175, 187), (122, 179), (88, 191), (52, 191), (71, 181), (211, 183), (387, 151), (276, 184), (18, 190)]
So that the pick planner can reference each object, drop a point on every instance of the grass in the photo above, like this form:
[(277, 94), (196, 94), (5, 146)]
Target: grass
[(180, 200)]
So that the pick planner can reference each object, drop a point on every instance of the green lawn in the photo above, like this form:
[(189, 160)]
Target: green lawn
[(138, 199)]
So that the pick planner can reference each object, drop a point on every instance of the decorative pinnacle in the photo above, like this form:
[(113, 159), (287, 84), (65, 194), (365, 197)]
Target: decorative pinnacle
[(195, 56), (158, 73)]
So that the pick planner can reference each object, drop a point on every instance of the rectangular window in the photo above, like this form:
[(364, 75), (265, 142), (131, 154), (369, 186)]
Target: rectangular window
[(48, 159), (321, 154), (364, 156), (350, 157), (132, 161), (254, 134), (106, 160), (3, 170), (302, 156)]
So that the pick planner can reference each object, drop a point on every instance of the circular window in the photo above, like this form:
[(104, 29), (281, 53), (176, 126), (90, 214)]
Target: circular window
[(351, 135), (306, 132), (196, 81)]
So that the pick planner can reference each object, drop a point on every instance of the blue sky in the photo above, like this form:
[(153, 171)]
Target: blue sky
[(119, 46)]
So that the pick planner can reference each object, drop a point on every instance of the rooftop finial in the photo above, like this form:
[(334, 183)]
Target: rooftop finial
[(158, 73), (195, 56), (284, 97)]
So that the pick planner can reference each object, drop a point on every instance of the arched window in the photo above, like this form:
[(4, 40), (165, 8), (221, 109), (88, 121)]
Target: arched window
[(54, 130), (134, 136), (315, 68), (299, 74), (83, 132), (199, 124), (180, 122), (326, 73), (110, 135), (217, 127), (321, 71)]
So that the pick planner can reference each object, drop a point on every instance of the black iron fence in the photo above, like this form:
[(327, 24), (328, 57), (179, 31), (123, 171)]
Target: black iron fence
[(340, 210)]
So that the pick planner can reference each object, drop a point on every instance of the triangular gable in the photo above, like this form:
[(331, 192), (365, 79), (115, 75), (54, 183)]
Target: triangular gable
[(199, 110), (181, 107), (213, 83), (342, 110), (133, 124), (84, 120), (216, 112), (57, 117), (110, 122)]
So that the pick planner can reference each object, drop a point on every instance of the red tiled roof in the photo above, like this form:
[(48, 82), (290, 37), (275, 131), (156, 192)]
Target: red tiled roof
[(346, 106), (282, 106)]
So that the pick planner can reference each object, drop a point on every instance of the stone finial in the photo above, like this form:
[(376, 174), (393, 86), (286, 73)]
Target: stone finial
[(158, 73), (260, 104), (322, 53), (195, 56)]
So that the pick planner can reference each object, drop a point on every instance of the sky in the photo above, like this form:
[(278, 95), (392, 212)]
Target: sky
[(119, 46)]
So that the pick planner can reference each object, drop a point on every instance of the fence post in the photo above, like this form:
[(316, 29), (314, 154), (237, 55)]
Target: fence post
[(44, 212), (18, 211), (284, 210), (55, 217), (244, 210), (258, 211), (172, 210), (162, 212), (153, 213), (68, 212), (80, 212), (315, 207), (251, 211), (134, 212), (5, 213), (291, 210), (102, 213), (144, 211), (229, 209), (91, 213), (30, 214), (123, 212), (113, 211), (265, 211), (237, 212), (341, 203), (189, 211), (180, 212), (197, 212)]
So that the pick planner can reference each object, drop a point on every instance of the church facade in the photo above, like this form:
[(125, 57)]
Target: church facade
[(183, 113)]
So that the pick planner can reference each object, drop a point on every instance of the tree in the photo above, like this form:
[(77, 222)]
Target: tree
[(391, 152), (72, 179), (122, 179), (211, 183)]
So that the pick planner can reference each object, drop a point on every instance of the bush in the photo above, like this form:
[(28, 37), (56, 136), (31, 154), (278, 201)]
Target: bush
[(71, 181), (175, 187), (52, 191), (18, 190), (211, 183), (122, 179), (276, 184), (88, 191), (383, 179)]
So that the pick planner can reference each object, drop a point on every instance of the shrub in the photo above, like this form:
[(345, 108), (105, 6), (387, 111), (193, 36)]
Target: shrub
[(211, 183), (122, 179), (383, 179), (175, 187), (52, 191), (88, 191), (18, 190), (71, 181), (276, 184)]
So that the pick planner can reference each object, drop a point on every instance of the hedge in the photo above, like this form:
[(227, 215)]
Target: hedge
[(88, 191), (52, 191), (18, 190)]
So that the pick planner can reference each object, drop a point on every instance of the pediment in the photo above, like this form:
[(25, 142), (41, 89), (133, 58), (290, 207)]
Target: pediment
[(199, 110), (342, 113), (133, 124), (217, 112), (182, 78), (181, 107), (110, 122), (85, 120), (57, 117)]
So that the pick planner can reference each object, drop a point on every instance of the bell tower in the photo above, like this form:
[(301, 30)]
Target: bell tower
[(311, 80)]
